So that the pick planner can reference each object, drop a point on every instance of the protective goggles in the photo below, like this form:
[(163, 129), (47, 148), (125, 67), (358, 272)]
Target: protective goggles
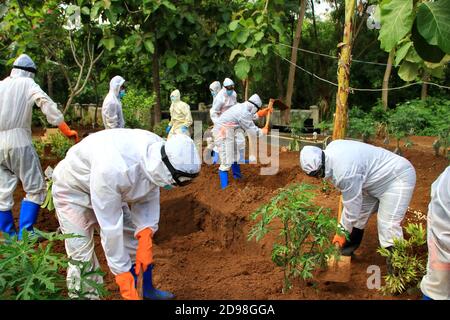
[(254, 104), (320, 173), (29, 69), (229, 87), (176, 174)]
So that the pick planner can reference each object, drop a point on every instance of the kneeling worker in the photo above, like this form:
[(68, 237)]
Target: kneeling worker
[(100, 173)]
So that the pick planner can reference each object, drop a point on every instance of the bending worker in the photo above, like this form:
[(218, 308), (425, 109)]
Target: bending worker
[(180, 116), (89, 186), (370, 179), (436, 283), (239, 117), (18, 159), (112, 113)]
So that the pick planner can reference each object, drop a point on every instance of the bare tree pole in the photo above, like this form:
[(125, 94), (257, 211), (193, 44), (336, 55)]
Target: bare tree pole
[(387, 75), (294, 53)]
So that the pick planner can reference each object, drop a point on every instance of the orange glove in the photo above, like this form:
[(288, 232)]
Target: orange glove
[(340, 240), (265, 130), (144, 252), (128, 291), (67, 132), (264, 112)]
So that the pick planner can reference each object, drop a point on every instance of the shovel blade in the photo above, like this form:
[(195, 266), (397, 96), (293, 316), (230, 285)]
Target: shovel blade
[(338, 270)]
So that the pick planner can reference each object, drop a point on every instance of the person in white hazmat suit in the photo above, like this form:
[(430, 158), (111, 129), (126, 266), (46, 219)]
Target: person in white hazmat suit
[(180, 116), (371, 179), (435, 284), (214, 88), (112, 113), (238, 117), (18, 159), (89, 186)]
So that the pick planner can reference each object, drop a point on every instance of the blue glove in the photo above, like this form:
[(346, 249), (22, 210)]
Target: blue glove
[(168, 129), (184, 129)]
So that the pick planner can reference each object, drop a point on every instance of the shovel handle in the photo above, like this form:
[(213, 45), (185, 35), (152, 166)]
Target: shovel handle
[(140, 282), (271, 101)]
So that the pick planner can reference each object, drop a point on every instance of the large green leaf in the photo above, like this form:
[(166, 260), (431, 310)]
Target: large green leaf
[(250, 52), (408, 71), (425, 50), (148, 44), (171, 62), (233, 25), (433, 23), (234, 53), (242, 68), (401, 52), (396, 21), (108, 43)]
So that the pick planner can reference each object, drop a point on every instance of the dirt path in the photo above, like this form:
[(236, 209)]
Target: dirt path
[(201, 251)]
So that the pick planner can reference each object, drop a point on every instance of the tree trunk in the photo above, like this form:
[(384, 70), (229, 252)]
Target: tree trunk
[(279, 77), (340, 119), (156, 88), (294, 54), (387, 75), (50, 84), (424, 92), (247, 84)]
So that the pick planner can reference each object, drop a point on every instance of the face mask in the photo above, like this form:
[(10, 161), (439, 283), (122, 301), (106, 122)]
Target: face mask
[(121, 94), (213, 94), (173, 99), (168, 187), (229, 92)]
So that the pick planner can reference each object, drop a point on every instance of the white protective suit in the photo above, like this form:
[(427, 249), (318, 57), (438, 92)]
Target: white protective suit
[(101, 172), (236, 120), (18, 159), (436, 283), (214, 88), (180, 115), (112, 113), (371, 179)]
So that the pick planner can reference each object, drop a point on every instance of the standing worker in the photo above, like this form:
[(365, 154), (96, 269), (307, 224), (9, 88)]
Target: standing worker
[(239, 116), (435, 284), (18, 159), (180, 116), (89, 186), (370, 179), (112, 113), (214, 88)]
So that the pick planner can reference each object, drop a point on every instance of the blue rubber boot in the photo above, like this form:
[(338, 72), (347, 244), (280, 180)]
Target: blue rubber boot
[(236, 169), (426, 298), (7, 223), (242, 157), (28, 216), (215, 157), (150, 293), (223, 175)]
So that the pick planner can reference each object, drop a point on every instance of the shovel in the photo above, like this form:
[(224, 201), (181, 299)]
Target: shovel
[(338, 270), (140, 283)]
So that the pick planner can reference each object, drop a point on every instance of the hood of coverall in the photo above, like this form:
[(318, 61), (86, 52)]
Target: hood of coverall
[(228, 82), (23, 61), (310, 159), (115, 84), (182, 154), (175, 94), (256, 101), (215, 87)]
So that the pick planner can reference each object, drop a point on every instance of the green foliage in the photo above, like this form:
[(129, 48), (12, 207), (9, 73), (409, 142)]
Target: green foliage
[(39, 146), (60, 144), (160, 128), (361, 125), (304, 243), (136, 105), (296, 126), (325, 126), (407, 259), (38, 119), (30, 270), (48, 202)]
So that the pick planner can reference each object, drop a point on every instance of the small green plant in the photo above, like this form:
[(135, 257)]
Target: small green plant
[(325, 127), (32, 270), (136, 106), (296, 126), (361, 125), (304, 243), (407, 260), (48, 202), (39, 146), (60, 144), (160, 128), (38, 118), (325, 186)]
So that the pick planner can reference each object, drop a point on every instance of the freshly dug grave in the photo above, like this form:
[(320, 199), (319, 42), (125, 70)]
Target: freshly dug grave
[(201, 249)]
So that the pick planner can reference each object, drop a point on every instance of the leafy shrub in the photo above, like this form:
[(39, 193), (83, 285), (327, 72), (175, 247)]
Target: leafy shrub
[(296, 126), (33, 271), (60, 144), (39, 146), (38, 119), (304, 243), (409, 264), (136, 107), (361, 124), (160, 128)]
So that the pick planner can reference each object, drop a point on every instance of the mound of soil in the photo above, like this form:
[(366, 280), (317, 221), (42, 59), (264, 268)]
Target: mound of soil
[(201, 250)]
